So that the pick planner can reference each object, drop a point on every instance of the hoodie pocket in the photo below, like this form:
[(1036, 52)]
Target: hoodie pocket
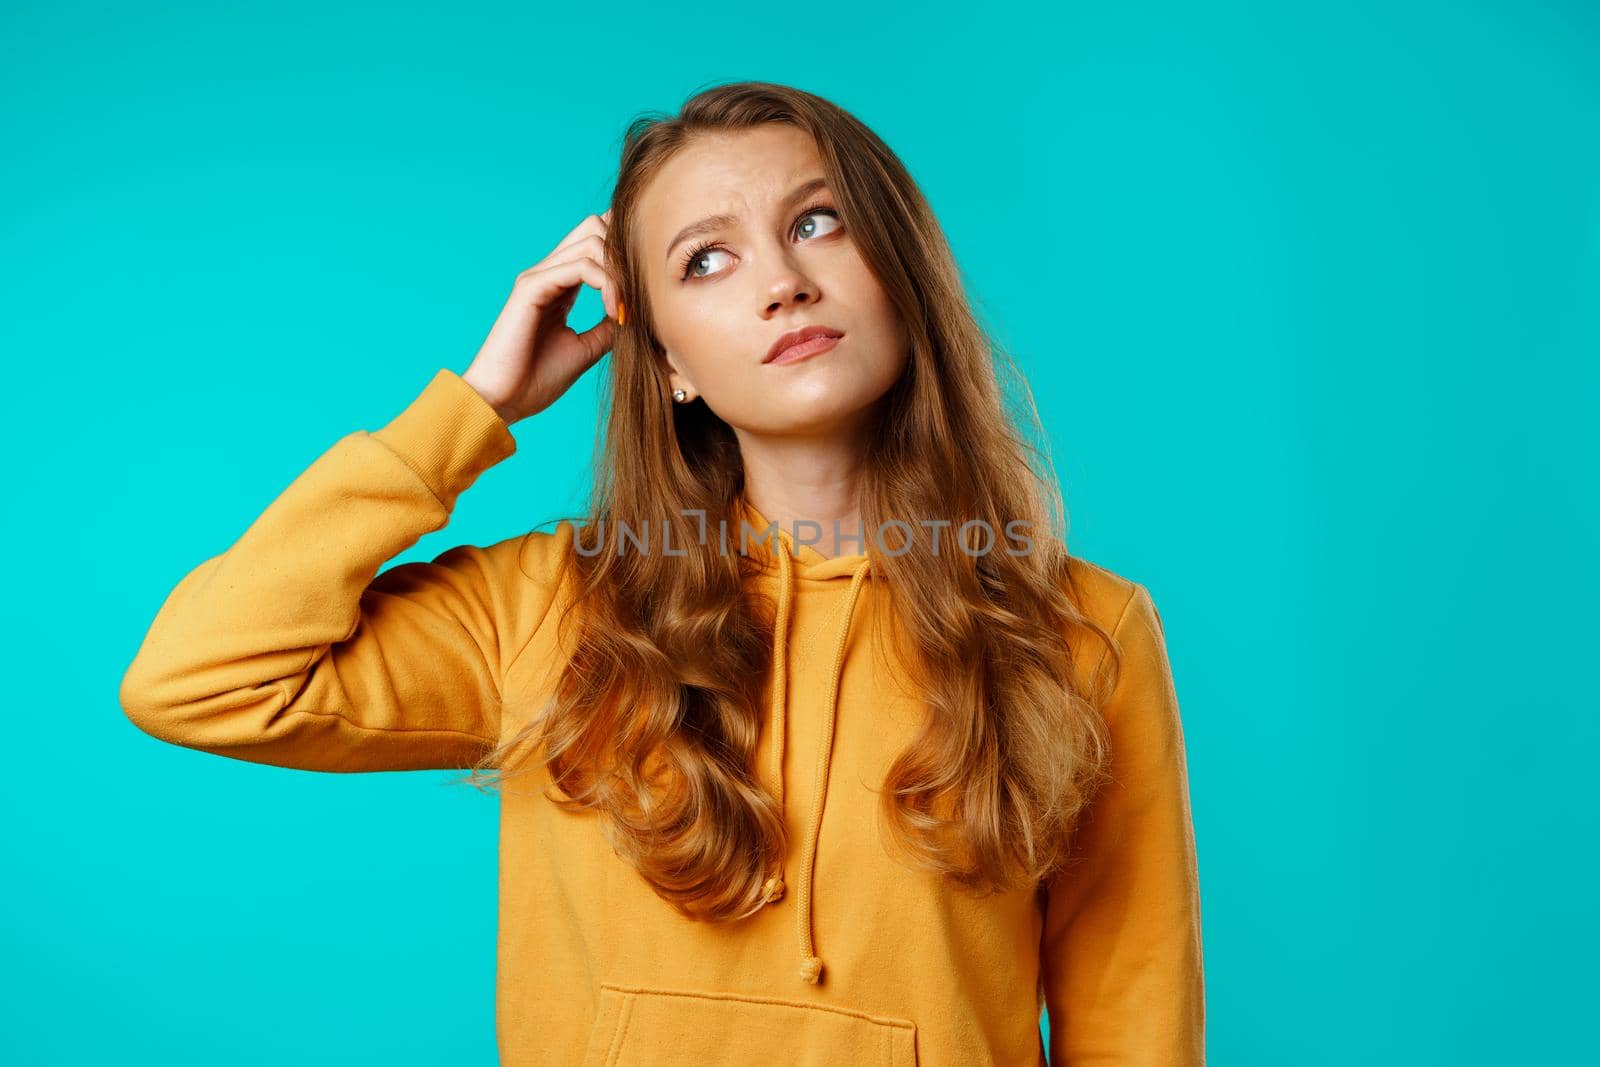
[(678, 1028)]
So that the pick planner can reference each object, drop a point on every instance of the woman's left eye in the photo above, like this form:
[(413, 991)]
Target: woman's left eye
[(819, 212)]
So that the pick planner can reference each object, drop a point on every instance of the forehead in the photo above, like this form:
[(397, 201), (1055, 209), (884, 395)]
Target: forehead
[(733, 173)]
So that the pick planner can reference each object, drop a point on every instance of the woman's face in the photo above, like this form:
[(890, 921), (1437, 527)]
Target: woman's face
[(778, 260)]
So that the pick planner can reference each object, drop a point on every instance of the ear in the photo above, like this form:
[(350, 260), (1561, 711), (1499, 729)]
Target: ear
[(675, 376)]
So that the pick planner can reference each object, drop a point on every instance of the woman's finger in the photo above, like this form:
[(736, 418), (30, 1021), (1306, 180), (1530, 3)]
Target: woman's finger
[(544, 285), (590, 226), (592, 247)]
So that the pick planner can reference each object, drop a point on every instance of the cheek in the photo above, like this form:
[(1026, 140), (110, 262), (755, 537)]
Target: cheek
[(719, 344), (889, 333), (874, 299), (701, 337)]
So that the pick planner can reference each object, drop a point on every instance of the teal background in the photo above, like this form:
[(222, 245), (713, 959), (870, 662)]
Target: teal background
[(1308, 299)]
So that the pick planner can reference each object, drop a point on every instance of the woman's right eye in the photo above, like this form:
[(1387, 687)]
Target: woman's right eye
[(694, 256)]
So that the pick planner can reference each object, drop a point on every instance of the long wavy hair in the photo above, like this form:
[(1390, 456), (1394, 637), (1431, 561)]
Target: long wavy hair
[(654, 720)]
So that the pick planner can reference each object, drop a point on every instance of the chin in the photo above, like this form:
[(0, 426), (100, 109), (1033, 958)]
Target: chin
[(819, 407)]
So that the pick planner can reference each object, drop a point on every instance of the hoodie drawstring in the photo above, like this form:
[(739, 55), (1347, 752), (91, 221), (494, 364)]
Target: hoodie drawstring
[(774, 888), (780, 699), (811, 964)]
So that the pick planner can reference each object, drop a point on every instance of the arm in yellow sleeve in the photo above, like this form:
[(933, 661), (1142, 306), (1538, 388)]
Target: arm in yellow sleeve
[(287, 650), (1121, 950)]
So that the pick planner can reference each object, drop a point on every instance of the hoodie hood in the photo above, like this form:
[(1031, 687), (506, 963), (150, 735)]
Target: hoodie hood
[(791, 566)]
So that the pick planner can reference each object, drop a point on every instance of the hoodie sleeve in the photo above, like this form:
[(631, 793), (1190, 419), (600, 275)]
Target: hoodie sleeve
[(286, 650), (1121, 957)]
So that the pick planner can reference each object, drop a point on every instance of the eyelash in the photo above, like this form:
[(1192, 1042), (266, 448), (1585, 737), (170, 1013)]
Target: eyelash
[(687, 261)]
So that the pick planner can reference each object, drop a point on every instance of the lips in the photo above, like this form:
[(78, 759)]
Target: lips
[(801, 337)]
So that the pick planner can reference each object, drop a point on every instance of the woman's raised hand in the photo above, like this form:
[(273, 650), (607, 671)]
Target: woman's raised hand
[(531, 355)]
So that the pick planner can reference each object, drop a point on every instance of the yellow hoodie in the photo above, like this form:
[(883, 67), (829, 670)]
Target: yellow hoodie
[(291, 649)]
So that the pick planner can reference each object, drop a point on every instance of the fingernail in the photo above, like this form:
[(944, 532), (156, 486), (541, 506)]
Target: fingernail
[(622, 313)]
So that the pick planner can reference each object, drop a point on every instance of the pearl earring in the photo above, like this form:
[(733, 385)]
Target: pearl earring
[(679, 395)]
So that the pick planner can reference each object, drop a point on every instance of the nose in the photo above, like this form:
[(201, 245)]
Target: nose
[(791, 286)]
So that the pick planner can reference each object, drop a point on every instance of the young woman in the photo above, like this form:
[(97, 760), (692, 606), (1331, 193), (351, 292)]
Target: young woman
[(881, 796)]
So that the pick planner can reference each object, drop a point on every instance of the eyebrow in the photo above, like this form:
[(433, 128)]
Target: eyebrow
[(717, 222)]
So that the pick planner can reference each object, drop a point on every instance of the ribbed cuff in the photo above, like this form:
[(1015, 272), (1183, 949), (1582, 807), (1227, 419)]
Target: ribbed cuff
[(449, 435)]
